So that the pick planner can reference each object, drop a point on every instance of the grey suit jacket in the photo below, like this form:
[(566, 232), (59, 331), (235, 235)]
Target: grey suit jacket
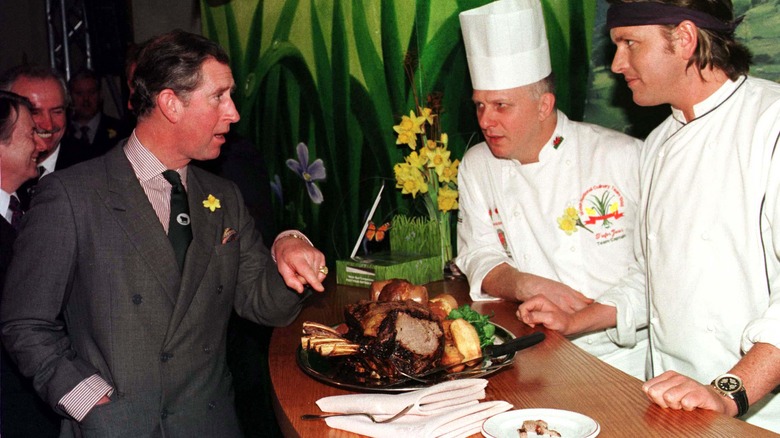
[(94, 288)]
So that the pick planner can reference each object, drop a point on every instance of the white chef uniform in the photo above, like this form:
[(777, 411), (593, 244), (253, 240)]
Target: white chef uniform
[(710, 237), (509, 213)]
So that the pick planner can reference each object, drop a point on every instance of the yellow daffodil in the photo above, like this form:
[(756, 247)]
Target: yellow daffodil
[(409, 179), (416, 160), (444, 139), (430, 144), (450, 173), (567, 224), (448, 199), (438, 159), (408, 138), (211, 203), (428, 115), (418, 122), (571, 220)]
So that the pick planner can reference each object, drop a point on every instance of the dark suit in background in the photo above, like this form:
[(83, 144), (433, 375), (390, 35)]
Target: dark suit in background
[(24, 413), (74, 149)]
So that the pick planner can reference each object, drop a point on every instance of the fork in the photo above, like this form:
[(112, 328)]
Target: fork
[(372, 417)]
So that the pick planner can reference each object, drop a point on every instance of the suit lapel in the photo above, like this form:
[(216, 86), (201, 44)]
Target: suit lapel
[(136, 216), (205, 234)]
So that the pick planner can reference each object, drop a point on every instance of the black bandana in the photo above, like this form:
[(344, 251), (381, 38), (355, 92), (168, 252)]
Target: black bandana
[(645, 13)]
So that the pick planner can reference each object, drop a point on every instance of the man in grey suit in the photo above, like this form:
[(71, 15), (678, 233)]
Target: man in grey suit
[(119, 334)]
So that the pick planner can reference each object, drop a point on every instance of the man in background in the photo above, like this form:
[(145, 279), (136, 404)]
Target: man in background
[(547, 205), (46, 89), (22, 413), (150, 256), (91, 132), (708, 247)]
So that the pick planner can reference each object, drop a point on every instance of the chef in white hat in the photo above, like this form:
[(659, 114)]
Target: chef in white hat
[(547, 205)]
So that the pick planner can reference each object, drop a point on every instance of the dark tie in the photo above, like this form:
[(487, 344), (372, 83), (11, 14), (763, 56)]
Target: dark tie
[(85, 136), (16, 212), (179, 228), (27, 190)]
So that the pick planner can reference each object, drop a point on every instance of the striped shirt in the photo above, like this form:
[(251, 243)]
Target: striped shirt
[(148, 169)]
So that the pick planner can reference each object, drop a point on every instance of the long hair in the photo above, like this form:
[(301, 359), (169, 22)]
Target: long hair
[(171, 61)]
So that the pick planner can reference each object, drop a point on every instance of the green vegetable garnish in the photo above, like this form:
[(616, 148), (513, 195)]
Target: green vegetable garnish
[(485, 329)]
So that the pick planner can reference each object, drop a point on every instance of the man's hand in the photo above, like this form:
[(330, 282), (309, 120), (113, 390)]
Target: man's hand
[(563, 297), (299, 263), (675, 391), (540, 310), (508, 283)]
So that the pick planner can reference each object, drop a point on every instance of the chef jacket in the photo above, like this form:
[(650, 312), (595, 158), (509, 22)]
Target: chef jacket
[(569, 217), (707, 253)]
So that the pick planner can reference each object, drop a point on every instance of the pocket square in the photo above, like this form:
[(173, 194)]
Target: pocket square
[(229, 235)]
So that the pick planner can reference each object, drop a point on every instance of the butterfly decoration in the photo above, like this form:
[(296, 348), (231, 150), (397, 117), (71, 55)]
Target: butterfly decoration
[(377, 234)]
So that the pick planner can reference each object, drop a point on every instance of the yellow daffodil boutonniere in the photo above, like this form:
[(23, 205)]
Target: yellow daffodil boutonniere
[(211, 203)]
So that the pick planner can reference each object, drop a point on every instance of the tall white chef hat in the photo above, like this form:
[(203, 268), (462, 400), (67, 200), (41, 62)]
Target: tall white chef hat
[(506, 44)]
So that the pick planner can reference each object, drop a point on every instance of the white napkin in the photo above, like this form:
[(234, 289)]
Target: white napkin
[(448, 410), (434, 400), (458, 423)]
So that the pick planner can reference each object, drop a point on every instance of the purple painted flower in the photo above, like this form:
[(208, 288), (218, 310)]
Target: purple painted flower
[(309, 173)]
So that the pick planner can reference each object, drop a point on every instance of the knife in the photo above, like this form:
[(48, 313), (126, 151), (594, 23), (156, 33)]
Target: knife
[(516, 344), (489, 352)]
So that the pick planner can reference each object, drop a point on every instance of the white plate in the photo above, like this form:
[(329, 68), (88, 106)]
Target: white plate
[(568, 424)]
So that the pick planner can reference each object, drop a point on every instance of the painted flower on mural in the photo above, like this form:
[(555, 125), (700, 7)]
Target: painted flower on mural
[(570, 221), (289, 211), (310, 173)]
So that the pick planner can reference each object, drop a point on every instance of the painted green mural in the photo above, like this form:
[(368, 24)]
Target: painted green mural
[(331, 74)]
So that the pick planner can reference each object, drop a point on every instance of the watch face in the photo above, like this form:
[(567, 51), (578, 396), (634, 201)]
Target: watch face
[(728, 384)]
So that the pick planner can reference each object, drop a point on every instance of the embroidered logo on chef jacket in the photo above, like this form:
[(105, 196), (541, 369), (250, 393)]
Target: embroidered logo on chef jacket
[(498, 225), (600, 211)]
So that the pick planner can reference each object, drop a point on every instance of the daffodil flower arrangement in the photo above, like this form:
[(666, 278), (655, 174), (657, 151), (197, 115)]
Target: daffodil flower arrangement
[(428, 172)]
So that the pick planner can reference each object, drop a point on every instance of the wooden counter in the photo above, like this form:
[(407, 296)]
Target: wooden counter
[(553, 374)]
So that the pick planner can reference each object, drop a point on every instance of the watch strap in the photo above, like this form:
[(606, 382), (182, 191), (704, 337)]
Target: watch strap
[(739, 396)]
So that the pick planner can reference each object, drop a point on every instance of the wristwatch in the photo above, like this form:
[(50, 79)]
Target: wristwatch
[(730, 386)]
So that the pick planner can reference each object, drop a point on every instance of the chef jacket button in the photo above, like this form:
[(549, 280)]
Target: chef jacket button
[(212, 405), (710, 327), (651, 236), (219, 289), (573, 249), (661, 153), (206, 349), (165, 357), (705, 236), (517, 214), (164, 414), (589, 341), (138, 299), (568, 162), (654, 320), (525, 257)]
